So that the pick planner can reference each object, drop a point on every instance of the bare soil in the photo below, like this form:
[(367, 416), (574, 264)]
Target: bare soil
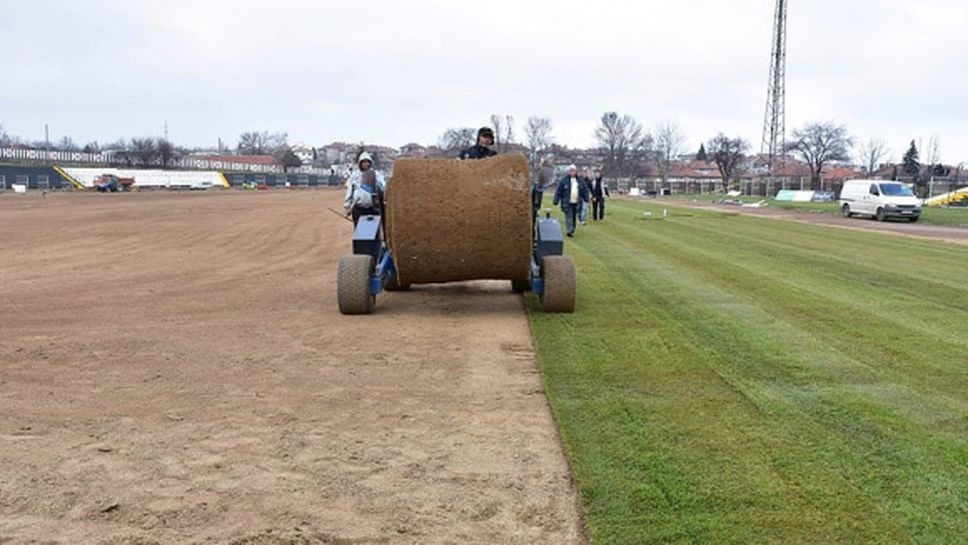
[(173, 369)]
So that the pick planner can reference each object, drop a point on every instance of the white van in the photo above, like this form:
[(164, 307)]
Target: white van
[(879, 199)]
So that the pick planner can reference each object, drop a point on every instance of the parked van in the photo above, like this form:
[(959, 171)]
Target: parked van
[(879, 199)]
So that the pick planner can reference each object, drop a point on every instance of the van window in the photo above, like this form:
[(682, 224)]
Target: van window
[(896, 190), (874, 190)]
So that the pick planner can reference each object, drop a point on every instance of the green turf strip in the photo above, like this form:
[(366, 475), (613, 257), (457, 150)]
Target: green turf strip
[(933, 215), (731, 379)]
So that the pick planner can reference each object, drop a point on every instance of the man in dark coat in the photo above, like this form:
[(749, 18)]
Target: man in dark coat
[(570, 194), (481, 150), (599, 194)]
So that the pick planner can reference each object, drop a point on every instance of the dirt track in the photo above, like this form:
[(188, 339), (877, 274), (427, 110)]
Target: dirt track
[(173, 369)]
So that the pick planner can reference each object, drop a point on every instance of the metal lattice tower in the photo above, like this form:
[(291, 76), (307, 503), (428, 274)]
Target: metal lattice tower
[(774, 123)]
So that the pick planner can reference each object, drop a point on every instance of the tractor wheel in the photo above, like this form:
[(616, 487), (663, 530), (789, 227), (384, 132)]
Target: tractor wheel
[(353, 284), (520, 286), (846, 211), (559, 284), (393, 285)]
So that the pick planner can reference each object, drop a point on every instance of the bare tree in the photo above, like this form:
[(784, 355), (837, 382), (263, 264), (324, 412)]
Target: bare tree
[(457, 138), (503, 131), (120, 152), (66, 143), (5, 139), (622, 141), (727, 153), (818, 144), (497, 123), (669, 144), (933, 153), (508, 131), (166, 152), (92, 147), (537, 131), (872, 153), (261, 143), (144, 150)]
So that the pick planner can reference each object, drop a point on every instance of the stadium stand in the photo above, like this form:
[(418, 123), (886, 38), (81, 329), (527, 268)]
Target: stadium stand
[(239, 179), (958, 197), (158, 179), (44, 178)]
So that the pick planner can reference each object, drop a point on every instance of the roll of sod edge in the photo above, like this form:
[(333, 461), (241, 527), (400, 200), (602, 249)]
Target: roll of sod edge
[(450, 220)]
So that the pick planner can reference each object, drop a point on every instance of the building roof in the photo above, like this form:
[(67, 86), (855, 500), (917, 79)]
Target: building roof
[(245, 159)]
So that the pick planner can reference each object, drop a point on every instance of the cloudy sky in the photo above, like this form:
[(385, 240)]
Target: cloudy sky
[(394, 72)]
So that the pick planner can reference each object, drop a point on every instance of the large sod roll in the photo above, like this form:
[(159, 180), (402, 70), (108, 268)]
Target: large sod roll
[(450, 220)]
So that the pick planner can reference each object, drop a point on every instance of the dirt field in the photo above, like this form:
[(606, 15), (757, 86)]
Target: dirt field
[(173, 369)]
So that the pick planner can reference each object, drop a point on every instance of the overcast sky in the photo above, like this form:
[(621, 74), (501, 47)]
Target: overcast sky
[(397, 72)]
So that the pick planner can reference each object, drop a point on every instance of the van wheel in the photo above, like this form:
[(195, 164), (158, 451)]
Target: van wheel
[(879, 215), (913, 219), (846, 211)]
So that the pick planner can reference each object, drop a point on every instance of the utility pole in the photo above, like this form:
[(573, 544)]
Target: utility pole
[(166, 130), (47, 139), (774, 122)]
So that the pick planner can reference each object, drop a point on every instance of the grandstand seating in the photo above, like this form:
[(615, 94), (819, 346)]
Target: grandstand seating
[(151, 178), (958, 197), (83, 177), (34, 177)]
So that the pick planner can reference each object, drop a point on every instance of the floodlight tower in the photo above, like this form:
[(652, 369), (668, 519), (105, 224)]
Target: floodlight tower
[(774, 123)]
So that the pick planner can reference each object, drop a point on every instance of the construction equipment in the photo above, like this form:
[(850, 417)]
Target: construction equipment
[(110, 183), (450, 221)]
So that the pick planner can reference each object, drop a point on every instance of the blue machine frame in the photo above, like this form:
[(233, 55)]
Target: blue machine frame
[(368, 240)]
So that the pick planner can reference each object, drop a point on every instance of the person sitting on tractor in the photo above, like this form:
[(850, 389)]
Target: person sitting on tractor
[(481, 150), (363, 189)]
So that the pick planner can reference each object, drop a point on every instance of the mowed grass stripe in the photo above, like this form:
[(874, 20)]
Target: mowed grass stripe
[(835, 301), (707, 397)]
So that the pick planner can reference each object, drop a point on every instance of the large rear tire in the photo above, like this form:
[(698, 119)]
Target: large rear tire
[(520, 286), (558, 273), (353, 284)]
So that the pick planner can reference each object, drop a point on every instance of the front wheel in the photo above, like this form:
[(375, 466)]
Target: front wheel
[(879, 215), (353, 285), (845, 210), (913, 219), (558, 273)]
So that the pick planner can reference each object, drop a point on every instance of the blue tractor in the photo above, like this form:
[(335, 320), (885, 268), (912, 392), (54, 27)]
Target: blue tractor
[(371, 268)]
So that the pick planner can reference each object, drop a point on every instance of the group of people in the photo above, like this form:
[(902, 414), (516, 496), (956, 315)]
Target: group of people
[(574, 193)]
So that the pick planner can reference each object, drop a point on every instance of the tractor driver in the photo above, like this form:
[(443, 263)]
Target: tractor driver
[(481, 150), (362, 190)]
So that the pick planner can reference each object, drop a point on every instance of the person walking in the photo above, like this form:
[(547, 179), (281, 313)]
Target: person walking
[(571, 192), (587, 182), (599, 194)]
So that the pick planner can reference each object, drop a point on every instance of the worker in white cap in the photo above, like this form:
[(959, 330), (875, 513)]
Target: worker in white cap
[(362, 189)]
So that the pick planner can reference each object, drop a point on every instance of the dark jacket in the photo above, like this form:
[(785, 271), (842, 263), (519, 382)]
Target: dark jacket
[(600, 189), (563, 193), (477, 152)]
